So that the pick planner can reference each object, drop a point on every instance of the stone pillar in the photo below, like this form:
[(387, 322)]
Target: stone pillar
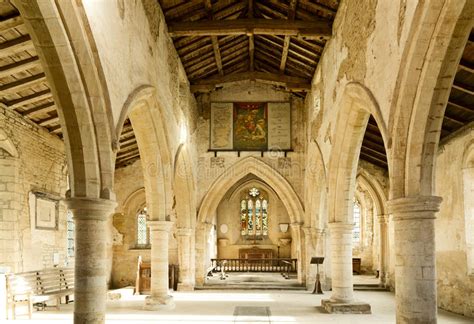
[(90, 273), (296, 241), (384, 249), (202, 234), (415, 271), (159, 292), (342, 298), (341, 259), (184, 236)]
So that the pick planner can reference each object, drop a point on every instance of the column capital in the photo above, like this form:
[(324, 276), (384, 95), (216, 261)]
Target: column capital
[(160, 226), (90, 208), (418, 207), (340, 227), (184, 231)]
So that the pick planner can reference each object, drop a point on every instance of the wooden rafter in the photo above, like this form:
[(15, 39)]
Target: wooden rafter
[(35, 97), (215, 41), (250, 14), (20, 66), (47, 107), (291, 83), (14, 46), (13, 22), (22, 84), (286, 42), (463, 65), (461, 107), (307, 29), (464, 88)]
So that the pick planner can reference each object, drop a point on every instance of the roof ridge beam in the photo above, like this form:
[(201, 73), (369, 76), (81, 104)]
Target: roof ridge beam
[(253, 26)]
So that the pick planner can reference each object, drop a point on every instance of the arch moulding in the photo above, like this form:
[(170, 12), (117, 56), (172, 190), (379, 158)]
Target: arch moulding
[(263, 171)]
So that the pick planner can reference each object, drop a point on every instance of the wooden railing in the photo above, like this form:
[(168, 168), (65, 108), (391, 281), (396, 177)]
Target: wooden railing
[(283, 265)]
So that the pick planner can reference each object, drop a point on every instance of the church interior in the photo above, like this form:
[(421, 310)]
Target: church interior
[(237, 161)]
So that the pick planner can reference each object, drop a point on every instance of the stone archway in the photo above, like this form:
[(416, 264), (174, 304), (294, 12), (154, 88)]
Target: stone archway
[(59, 30), (378, 197), (146, 116), (356, 105), (428, 65), (241, 169)]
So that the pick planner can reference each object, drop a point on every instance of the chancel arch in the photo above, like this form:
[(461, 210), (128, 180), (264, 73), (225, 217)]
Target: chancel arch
[(241, 169)]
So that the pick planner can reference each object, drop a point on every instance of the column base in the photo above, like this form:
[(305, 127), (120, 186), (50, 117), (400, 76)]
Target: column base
[(336, 307), (158, 303), (185, 287)]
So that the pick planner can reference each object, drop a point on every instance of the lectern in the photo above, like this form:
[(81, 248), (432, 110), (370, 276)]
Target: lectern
[(317, 285)]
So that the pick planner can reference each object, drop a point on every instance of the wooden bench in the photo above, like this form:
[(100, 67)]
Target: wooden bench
[(35, 288)]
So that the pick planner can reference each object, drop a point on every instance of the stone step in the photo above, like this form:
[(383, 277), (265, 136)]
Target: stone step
[(246, 287), (369, 287), (120, 293)]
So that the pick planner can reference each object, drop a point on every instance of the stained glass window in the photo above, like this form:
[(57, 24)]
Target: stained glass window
[(254, 214), (356, 230), (70, 234), (142, 231)]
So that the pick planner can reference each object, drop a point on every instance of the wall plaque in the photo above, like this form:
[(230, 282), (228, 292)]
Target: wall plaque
[(221, 125), (250, 126)]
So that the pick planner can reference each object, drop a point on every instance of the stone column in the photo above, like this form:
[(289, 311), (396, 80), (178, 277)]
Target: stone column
[(415, 271), (90, 273), (342, 298), (296, 241), (384, 248), (159, 297), (184, 236), (341, 260), (202, 234)]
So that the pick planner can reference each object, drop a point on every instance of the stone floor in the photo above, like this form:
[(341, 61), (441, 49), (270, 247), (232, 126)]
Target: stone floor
[(233, 306)]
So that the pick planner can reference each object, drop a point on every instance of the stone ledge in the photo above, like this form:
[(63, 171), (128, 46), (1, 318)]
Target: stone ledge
[(334, 307)]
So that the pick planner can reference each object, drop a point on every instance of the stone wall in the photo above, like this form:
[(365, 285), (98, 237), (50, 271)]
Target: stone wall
[(40, 166), (291, 167), (455, 280)]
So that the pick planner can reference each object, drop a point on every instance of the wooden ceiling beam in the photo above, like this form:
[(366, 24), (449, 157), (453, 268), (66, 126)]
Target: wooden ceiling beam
[(320, 7), (295, 83), (463, 65), (286, 42), (215, 41), (19, 66), (227, 11), (375, 153), (464, 88), (47, 107), (123, 161), (35, 97), (128, 141), (48, 121), (122, 154), (460, 107), (10, 23), (11, 47), (375, 161), (22, 84), (454, 120), (250, 15), (308, 29)]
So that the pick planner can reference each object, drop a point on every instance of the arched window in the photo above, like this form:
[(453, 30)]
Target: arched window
[(143, 237), (70, 234), (356, 230), (254, 214)]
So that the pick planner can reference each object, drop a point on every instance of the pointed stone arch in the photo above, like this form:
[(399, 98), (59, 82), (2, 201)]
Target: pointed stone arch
[(260, 169), (145, 114)]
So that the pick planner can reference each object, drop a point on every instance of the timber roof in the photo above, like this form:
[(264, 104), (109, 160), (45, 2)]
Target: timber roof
[(277, 42)]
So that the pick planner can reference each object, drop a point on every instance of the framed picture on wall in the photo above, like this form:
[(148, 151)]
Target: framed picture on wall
[(46, 211)]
